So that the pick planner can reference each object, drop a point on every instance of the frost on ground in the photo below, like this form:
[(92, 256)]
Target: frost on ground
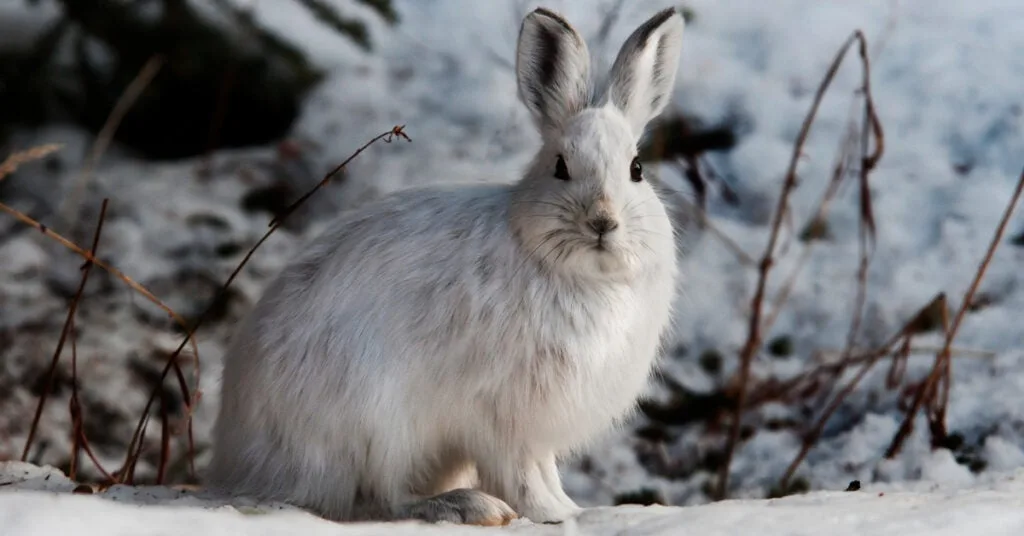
[(32, 495), (946, 77)]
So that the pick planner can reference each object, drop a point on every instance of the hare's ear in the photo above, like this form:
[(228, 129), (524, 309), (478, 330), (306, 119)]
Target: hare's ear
[(552, 69), (644, 72)]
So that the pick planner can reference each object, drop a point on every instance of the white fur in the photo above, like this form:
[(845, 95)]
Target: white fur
[(644, 71), (446, 329)]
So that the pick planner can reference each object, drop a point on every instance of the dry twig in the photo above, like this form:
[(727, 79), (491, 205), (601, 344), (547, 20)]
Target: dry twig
[(927, 392), (124, 103), (753, 342), (898, 345), (135, 447), (15, 160), (143, 291), (870, 129), (814, 226), (68, 322), (941, 371), (20, 158), (79, 440), (90, 258)]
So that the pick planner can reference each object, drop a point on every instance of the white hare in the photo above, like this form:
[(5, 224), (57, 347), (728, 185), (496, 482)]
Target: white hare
[(433, 354)]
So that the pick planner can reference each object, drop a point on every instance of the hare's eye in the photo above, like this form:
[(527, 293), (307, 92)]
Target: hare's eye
[(561, 170), (636, 171)]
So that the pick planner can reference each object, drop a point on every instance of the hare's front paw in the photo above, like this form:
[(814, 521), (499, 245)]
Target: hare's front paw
[(550, 513), (464, 506), (532, 487), (543, 504)]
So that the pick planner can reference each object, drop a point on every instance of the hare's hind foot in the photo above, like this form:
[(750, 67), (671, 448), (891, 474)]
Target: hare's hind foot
[(464, 506)]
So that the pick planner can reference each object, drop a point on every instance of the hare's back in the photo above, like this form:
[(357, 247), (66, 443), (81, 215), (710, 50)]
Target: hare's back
[(391, 270), (415, 231), (364, 312)]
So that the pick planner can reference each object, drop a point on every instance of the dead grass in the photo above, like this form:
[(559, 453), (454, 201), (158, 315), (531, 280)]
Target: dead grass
[(860, 150), (871, 130), (102, 141), (20, 158), (80, 442), (135, 447), (68, 323)]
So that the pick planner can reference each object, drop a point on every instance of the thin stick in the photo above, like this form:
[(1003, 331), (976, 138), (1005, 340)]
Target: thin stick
[(165, 441), (15, 160), (127, 475), (189, 399), (135, 447), (706, 222), (79, 441), (953, 352), (838, 173), (68, 322), (937, 415), (744, 258), (124, 103), (871, 126), (397, 131), (92, 259), (753, 341), (832, 369), (95, 460), (811, 438), (904, 338), (942, 360), (74, 408)]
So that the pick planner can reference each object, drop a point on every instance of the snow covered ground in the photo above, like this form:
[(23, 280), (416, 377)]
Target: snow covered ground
[(946, 77), (992, 508)]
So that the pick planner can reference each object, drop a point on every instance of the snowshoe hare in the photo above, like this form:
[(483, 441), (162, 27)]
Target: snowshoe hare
[(433, 354)]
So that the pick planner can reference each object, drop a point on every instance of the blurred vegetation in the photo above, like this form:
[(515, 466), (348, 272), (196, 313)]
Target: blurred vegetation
[(225, 81)]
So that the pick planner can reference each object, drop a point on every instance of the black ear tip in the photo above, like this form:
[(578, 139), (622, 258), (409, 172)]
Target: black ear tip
[(664, 15), (547, 13)]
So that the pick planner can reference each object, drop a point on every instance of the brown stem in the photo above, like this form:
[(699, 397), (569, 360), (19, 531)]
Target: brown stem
[(926, 391), (753, 342), (68, 322)]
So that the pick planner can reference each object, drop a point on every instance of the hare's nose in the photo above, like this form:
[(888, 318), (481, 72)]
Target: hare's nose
[(602, 225)]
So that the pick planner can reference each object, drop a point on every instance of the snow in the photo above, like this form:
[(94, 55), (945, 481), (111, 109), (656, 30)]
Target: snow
[(32, 494), (946, 78)]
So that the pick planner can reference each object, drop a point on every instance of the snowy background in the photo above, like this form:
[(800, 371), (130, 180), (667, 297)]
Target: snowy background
[(946, 76)]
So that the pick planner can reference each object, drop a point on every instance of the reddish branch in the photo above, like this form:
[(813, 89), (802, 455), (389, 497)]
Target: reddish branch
[(754, 336), (941, 370), (135, 447), (68, 323), (898, 346)]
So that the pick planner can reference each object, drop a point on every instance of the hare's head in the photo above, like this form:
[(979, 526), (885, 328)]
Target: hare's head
[(585, 205)]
